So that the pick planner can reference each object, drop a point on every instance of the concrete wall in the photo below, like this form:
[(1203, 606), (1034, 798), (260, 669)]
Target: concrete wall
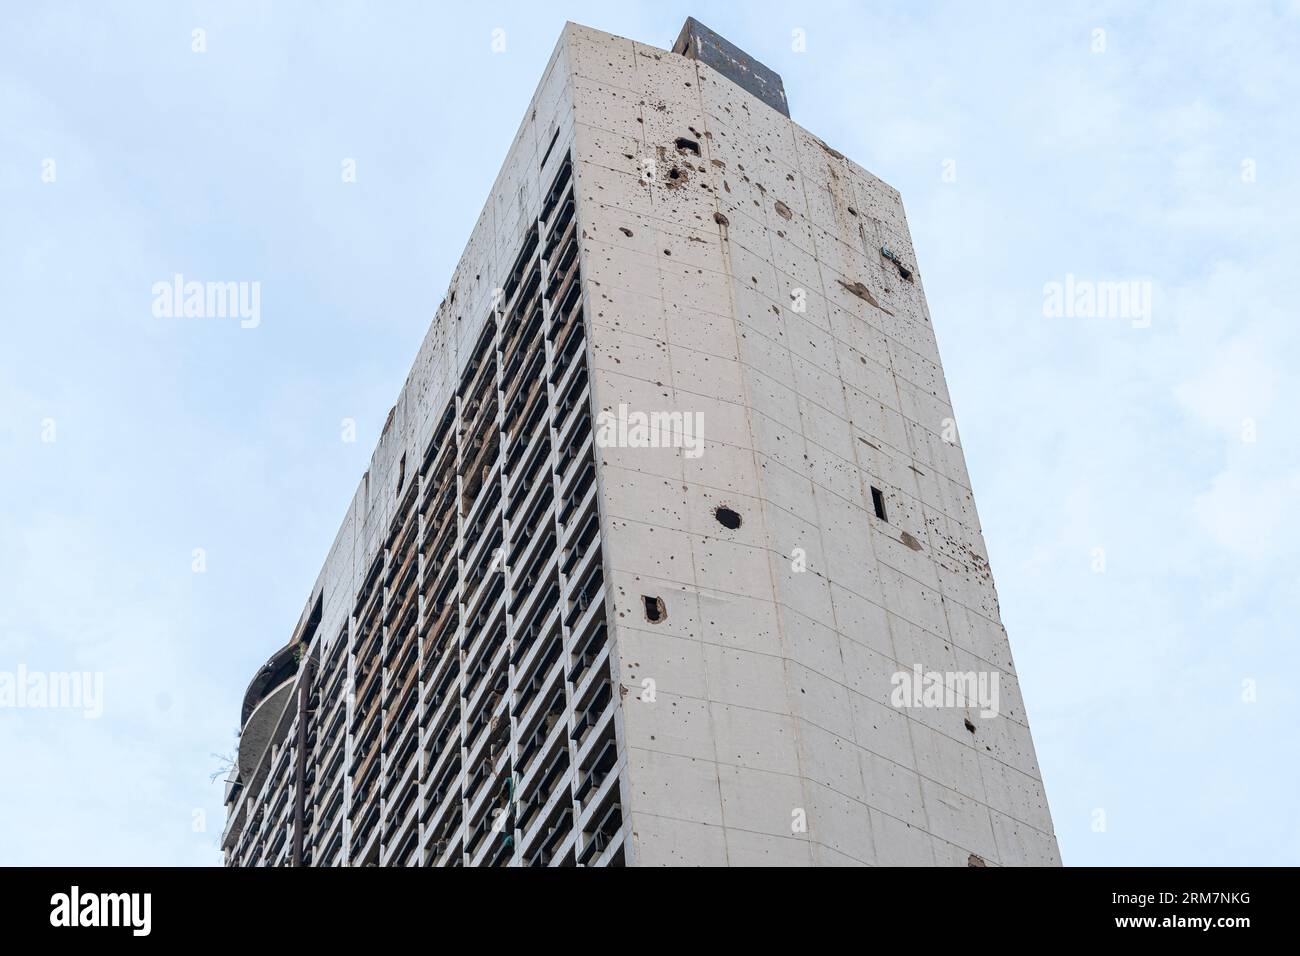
[(746, 283)]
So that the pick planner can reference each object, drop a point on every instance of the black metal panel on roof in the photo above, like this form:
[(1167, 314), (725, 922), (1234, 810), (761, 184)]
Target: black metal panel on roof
[(700, 43)]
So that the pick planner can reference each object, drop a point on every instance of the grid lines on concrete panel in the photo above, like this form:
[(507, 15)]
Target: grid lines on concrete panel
[(690, 673), (646, 335), (694, 371), (739, 267)]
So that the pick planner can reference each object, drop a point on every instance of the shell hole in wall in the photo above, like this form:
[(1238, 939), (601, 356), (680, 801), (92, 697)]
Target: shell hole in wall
[(685, 145), (655, 611), (727, 517)]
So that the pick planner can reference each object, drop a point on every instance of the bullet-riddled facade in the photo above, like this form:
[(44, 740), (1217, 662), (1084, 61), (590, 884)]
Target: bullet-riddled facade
[(667, 532)]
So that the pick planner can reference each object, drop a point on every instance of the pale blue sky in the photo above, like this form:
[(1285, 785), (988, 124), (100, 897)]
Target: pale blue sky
[(173, 435)]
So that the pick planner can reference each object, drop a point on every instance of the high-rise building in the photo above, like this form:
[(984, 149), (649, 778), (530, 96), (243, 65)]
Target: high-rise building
[(667, 553)]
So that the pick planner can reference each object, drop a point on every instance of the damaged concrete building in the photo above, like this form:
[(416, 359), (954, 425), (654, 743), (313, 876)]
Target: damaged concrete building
[(540, 641)]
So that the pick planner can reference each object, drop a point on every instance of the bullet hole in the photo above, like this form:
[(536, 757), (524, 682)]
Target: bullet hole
[(668, 252), (878, 502), (783, 210), (852, 211), (970, 726), (625, 231), (975, 860), (685, 145), (655, 612), (726, 517), (674, 173), (721, 220)]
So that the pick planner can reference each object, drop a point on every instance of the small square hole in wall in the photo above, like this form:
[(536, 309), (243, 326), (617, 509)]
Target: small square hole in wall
[(878, 502)]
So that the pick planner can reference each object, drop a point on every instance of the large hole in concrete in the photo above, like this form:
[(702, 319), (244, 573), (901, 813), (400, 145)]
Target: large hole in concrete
[(727, 517), (655, 612)]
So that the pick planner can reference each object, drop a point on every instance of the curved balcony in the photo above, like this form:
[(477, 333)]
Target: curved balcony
[(264, 703)]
